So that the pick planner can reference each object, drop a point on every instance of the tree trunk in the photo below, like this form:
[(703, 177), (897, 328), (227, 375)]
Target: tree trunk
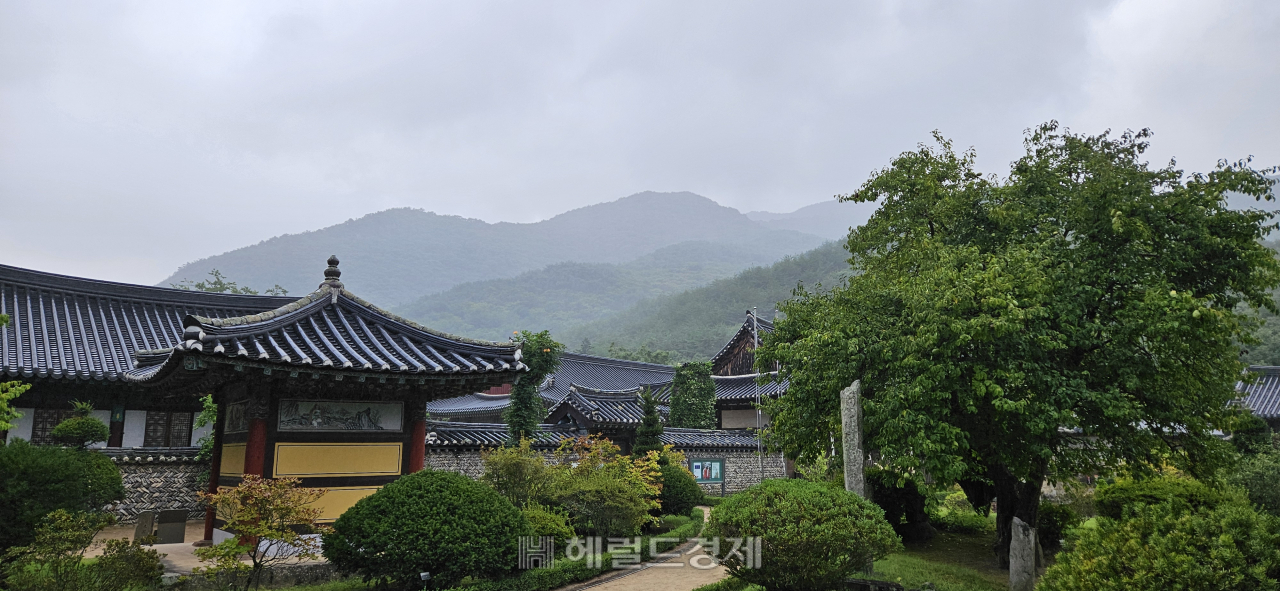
[(1014, 498)]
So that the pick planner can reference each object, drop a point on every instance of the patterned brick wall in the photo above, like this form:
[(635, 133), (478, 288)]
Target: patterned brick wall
[(158, 479)]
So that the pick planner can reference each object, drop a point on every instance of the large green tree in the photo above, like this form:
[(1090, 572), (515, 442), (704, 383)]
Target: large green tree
[(1076, 316), (541, 354)]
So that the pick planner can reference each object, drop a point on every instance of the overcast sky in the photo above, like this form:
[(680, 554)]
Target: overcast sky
[(136, 136)]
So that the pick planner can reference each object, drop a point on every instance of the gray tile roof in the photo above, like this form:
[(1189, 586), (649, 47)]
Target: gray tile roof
[(72, 328), (331, 328), (728, 388), (746, 331), (1263, 395), (448, 436), (443, 436), (602, 373), (606, 408)]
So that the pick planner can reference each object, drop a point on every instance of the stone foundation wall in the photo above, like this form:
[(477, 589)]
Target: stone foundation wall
[(158, 480), (742, 469)]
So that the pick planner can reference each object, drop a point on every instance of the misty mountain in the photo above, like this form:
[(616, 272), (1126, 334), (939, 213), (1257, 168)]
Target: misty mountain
[(396, 256), (829, 219), (697, 322), (568, 294)]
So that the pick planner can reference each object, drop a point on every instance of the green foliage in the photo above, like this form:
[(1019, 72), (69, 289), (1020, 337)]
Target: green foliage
[(813, 536), (81, 430), (1259, 476), (276, 514), (37, 480), (956, 515), (54, 561), (608, 494), (1172, 546), (429, 521), (1251, 435), (518, 473), (219, 284), (994, 321), (642, 353), (541, 354), (693, 403), (8, 392), (1111, 500), (696, 323), (680, 492), (548, 521), (649, 433), (1052, 522), (913, 572)]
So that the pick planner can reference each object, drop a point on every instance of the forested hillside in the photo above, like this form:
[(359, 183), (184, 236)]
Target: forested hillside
[(696, 323), (569, 294), (396, 256)]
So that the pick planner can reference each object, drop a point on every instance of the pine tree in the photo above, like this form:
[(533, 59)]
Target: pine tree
[(649, 434), (541, 354), (693, 404)]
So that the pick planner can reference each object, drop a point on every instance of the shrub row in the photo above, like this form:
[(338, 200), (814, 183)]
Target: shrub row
[(567, 572)]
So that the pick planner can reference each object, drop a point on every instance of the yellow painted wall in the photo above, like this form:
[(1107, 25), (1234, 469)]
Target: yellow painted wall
[(339, 499), (232, 459), (337, 459)]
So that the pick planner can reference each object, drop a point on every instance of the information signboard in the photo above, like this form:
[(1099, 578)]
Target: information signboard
[(707, 470)]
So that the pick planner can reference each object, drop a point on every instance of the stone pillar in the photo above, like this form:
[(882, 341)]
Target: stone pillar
[(1022, 557), (851, 423), (255, 449)]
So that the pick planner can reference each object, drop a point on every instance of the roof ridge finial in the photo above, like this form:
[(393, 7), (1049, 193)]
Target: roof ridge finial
[(332, 273)]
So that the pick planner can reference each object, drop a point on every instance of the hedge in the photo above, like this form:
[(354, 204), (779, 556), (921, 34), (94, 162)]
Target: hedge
[(567, 572)]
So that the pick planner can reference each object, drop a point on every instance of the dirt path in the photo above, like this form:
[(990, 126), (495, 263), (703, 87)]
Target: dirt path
[(683, 574)]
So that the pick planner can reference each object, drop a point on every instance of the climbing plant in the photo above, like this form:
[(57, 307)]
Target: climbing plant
[(693, 404), (541, 354)]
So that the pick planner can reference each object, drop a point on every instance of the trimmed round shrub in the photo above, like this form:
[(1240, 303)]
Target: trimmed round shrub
[(430, 521), (81, 432), (1052, 522), (680, 493), (36, 480), (812, 536), (1172, 546), (1111, 500)]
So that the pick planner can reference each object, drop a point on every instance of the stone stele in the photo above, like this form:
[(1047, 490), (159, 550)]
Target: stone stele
[(851, 423)]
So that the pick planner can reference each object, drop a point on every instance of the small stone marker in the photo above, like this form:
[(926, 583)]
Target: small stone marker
[(851, 419), (145, 527), (1022, 557), (172, 528)]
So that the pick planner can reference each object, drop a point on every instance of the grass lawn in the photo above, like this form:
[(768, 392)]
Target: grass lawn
[(952, 562)]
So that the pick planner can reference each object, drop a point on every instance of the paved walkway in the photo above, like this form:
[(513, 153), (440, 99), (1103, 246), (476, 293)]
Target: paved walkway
[(180, 558), (674, 575)]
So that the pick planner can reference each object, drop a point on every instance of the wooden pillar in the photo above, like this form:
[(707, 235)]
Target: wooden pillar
[(116, 437), (215, 470), (417, 446), (255, 451)]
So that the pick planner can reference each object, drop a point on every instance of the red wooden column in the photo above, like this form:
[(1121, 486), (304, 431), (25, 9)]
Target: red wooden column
[(417, 446), (255, 449), (215, 469)]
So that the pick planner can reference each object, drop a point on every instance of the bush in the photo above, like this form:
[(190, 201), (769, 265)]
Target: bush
[(607, 494), (813, 536), (548, 521), (36, 480), (954, 514), (680, 492), (1111, 500), (81, 432), (1259, 477), (1251, 435), (518, 473), (1172, 546), (429, 521), (1053, 521), (55, 558)]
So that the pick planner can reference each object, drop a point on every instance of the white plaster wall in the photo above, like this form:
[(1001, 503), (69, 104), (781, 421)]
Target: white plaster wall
[(23, 424), (198, 432), (741, 419), (105, 417), (135, 427)]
